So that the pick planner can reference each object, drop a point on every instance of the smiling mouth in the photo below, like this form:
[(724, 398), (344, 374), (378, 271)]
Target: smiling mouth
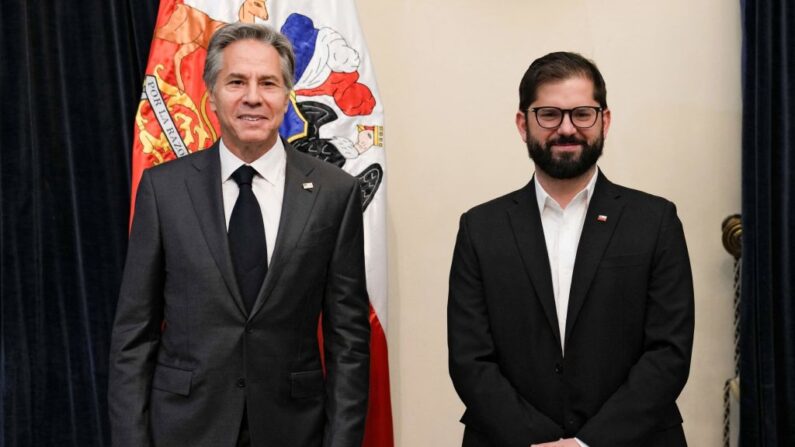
[(251, 118), (567, 143)]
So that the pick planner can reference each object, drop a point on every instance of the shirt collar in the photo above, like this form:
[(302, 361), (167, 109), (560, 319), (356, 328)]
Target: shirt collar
[(543, 198), (269, 166)]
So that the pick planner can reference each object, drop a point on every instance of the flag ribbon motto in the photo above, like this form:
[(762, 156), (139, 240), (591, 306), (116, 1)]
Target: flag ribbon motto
[(335, 114)]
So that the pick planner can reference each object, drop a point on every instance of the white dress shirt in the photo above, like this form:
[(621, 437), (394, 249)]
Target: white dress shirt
[(562, 230), (268, 187)]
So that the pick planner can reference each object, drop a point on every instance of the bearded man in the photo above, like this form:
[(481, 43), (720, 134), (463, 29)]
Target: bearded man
[(570, 312)]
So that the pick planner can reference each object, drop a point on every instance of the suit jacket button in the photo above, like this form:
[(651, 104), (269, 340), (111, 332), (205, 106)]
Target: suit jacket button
[(241, 383), (558, 368), (249, 330)]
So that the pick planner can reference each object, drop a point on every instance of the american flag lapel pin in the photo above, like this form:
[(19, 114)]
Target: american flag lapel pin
[(601, 218), (308, 186)]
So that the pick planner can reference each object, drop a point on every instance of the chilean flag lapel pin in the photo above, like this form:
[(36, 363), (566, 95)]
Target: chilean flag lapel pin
[(601, 218)]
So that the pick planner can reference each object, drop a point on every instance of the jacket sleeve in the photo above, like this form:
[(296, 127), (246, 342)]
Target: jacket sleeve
[(346, 332), (494, 407), (136, 329), (637, 407)]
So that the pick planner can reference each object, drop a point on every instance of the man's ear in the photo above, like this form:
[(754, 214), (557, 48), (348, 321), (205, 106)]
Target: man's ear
[(521, 125), (211, 98), (606, 117)]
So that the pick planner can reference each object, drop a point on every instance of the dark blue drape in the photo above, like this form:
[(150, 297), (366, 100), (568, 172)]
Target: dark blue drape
[(70, 79), (767, 377)]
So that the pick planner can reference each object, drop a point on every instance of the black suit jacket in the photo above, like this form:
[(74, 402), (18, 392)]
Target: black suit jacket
[(629, 330), (186, 358)]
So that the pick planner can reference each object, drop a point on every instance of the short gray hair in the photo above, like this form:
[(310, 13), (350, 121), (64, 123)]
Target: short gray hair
[(235, 32)]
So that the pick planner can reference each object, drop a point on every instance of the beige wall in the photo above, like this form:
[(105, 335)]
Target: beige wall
[(448, 73)]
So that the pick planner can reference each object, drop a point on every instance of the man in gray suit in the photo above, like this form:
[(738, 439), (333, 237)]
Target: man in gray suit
[(235, 252)]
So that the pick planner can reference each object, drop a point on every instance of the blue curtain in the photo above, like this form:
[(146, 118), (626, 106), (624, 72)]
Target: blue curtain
[(70, 74), (767, 369)]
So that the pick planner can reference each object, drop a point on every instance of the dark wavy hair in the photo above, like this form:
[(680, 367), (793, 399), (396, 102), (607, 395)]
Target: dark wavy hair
[(560, 66)]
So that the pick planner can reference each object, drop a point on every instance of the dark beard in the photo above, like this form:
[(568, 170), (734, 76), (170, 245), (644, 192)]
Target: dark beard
[(567, 165)]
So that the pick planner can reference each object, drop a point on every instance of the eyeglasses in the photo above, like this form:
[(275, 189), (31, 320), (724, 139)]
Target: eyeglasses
[(582, 117)]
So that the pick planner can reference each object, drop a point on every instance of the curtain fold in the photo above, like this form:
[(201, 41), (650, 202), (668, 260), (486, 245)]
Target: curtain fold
[(767, 368), (71, 77)]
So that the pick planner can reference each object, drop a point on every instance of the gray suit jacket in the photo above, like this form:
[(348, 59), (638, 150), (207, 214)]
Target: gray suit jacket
[(186, 358)]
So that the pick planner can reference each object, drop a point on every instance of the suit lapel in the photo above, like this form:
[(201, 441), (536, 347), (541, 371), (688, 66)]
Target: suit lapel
[(529, 233), (296, 209), (204, 188), (595, 237)]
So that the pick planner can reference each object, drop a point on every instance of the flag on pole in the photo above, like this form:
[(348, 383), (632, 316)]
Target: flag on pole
[(335, 114)]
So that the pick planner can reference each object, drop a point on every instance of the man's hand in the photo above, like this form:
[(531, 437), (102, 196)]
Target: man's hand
[(570, 442)]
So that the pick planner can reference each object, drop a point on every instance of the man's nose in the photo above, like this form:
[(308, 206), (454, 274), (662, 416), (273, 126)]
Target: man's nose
[(566, 126), (251, 95)]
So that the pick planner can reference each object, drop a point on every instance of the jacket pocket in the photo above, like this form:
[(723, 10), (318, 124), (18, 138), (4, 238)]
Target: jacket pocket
[(173, 380), (306, 383)]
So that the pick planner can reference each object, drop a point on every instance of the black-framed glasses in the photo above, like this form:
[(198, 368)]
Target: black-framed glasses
[(582, 117)]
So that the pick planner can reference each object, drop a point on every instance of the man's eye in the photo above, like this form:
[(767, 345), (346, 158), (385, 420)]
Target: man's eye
[(548, 114)]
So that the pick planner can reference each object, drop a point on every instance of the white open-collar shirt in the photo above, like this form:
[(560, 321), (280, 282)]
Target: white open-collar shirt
[(562, 230), (267, 185)]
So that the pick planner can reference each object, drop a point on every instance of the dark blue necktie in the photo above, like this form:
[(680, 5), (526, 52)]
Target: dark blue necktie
[(247, 238)]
